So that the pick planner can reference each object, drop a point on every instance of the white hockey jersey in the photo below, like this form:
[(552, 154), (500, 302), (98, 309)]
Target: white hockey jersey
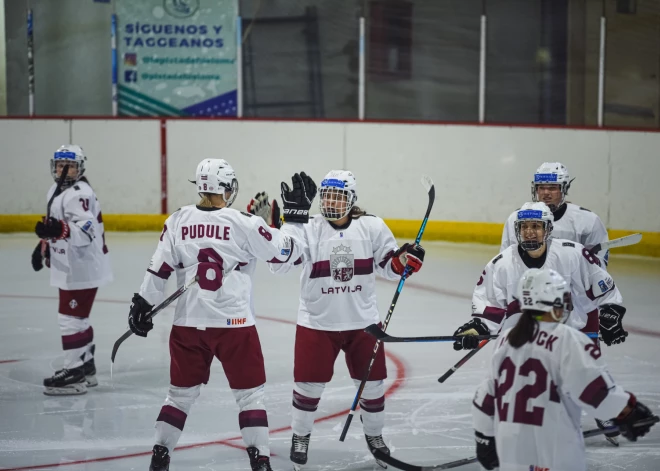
[(221, 246), (532, 398), (591, 286), (572, 223), (338, 281), (80, 261)]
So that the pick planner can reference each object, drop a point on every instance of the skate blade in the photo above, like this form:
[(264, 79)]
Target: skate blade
[(381, 464), (297, 467), (612, 440), (91, 381), (71, 390)]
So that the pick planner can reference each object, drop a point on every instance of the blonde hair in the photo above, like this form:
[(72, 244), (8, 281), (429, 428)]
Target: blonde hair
[(205, 202)]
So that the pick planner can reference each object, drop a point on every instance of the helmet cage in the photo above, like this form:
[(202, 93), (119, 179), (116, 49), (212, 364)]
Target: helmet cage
[(335, 202), (532, 245), (72, 160), (550, 179)]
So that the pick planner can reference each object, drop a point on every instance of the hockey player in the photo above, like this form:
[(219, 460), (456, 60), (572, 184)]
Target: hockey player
[(343, 250), (214, 318), (523, 425), (572, 222), (494, 299), (73, 247)]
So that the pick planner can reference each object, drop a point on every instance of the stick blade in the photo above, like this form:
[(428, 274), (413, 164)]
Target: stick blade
[(375, 331), (427, 183)]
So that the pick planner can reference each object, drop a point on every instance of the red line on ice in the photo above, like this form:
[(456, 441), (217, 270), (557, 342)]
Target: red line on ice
[(396, 384)]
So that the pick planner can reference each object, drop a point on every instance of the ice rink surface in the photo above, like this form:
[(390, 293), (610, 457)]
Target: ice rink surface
[(111, 427)]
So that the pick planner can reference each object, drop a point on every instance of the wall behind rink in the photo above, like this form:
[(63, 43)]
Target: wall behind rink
[(482, 173)]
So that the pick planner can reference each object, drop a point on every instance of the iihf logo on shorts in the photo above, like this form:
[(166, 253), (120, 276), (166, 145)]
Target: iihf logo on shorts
[(341, 263), (73, 304)]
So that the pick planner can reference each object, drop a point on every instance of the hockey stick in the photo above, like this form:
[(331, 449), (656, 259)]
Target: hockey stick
[(464, 360), (58, 188), (624, 241), (385, 458), (377, 332), (152, 314), (430, 188)]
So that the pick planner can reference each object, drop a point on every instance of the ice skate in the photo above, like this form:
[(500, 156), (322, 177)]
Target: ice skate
[(257, 461), (160, 460), (299, 447), (376, 442), (66, 382)]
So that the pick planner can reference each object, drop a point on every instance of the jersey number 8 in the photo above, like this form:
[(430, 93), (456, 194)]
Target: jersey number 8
[(209, 261)]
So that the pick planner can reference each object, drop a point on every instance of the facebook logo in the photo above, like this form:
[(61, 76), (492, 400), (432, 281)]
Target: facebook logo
[(130, 76)]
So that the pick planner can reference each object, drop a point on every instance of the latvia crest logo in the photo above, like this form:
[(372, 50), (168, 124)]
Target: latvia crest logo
[(341, 263)]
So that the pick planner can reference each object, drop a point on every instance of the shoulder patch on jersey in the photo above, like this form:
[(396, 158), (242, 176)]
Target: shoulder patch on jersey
[(76, 187), (497, 259), (568, 244), (246, 214), (584, 209)]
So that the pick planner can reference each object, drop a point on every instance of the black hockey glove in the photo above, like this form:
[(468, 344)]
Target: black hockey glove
[(298, 200), (486, 451), (635, 412), (468, 331), (37, 259), (138, 321), (408, 254), (611, 328), (269, 212), (52, 228)]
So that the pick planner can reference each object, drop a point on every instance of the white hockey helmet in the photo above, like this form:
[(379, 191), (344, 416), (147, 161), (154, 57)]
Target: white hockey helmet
[(217, 176), (552, 173), (338, 194), (544, 290), (533, 212), (71, 155)]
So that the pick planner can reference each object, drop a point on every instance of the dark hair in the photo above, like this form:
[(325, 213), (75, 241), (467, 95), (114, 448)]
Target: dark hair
[(525, 330), (356, 212)]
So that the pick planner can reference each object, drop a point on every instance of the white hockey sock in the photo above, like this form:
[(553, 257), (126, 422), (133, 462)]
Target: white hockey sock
[(252, 418), (77, 335), (372, 407), (306, 397), (173, 414)]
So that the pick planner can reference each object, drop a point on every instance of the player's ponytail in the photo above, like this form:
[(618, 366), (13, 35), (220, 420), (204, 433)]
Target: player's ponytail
[(205, 201), (525, 330), (357, 212)]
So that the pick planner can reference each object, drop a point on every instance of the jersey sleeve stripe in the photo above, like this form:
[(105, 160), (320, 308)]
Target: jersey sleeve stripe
[(595, 392), (488, 406), (362, 266), (163, 272)]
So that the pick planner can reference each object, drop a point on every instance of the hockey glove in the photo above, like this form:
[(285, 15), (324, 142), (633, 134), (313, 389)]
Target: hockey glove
[(52, 228), (37, 259), (468, 331), (633, 412), (269, 212), (298, 200), (611, 328), (486, 451), (408, 254), (138, 321)]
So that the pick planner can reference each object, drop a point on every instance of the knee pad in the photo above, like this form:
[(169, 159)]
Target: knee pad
[(372, 389), (249, 399), (182, 398), (313, 390)]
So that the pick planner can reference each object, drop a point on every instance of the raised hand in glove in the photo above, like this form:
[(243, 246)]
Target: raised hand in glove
[(634, 412), (298, 200), (408, 254), (611, 328), (52, 228), (269, 212), (468, 331), (138, 321), (486, 451)]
